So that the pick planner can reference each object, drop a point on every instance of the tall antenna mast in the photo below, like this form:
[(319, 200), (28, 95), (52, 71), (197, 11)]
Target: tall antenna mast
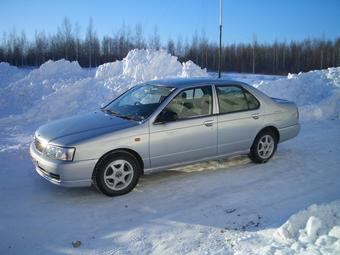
[(220, 50)]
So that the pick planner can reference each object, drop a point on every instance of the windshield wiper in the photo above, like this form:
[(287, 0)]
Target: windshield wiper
[(123, 116), (130, 117), (109, 111)]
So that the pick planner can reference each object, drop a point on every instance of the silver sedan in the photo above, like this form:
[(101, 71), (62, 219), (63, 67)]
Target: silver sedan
[(158, 125)]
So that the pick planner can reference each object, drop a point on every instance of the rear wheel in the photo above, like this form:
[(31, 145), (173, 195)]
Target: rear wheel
[(264, 147), (117, 174)]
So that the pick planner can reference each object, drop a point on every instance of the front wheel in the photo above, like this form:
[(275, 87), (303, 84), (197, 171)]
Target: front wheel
[(264, 147), (117, 174)]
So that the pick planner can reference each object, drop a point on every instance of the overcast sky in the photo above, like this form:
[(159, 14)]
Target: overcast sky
[(242, 19)]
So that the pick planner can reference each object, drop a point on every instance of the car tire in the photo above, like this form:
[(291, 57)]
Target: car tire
[(117, 174), (264, 147)]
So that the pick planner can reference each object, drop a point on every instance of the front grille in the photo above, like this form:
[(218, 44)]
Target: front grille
[(38, 145)]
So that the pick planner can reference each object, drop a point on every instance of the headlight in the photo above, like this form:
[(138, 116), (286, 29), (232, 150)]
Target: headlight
[(60, 153)]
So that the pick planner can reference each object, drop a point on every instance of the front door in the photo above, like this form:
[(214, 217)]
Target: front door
[(191, 132)]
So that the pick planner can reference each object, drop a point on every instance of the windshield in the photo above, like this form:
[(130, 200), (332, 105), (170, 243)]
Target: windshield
[(139, 102)]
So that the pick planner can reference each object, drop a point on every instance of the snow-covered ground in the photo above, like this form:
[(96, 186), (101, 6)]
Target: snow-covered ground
[(291, 205)]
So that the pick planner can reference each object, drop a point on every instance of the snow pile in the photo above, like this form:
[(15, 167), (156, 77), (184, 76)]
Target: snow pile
[(62, 88), (50, 77), (317, 93), (144, 65), (109, 70), (315, 230), (57, 70), (190, 69), (9, 74)]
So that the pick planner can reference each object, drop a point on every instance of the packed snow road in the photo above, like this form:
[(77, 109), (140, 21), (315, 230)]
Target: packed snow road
[(201, 208)]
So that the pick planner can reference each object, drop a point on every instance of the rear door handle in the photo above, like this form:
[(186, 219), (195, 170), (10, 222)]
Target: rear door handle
[(208, 123), (255, 116)]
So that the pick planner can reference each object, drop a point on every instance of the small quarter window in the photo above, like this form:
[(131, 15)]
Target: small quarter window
[(252, 101)]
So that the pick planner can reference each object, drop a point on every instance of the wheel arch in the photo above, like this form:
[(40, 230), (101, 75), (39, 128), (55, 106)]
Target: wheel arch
[(273, 129), (117, 151)]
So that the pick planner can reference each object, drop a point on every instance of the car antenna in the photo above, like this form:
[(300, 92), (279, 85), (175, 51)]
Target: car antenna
[(220, 49)]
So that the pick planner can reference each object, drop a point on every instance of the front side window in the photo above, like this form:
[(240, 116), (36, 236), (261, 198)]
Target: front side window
[(139, 102), (231, 99), (190, 103)]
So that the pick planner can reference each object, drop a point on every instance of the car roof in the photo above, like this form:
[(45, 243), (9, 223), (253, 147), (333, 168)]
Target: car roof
[(189, 82)]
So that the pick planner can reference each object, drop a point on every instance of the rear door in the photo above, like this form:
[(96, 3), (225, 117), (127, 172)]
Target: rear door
[(239, 118), (192, 136)]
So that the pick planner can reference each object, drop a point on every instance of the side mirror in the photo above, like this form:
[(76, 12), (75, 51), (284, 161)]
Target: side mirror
[(166, 116)]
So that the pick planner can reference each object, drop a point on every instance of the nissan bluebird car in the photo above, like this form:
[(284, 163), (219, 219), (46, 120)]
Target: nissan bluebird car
[(158, 125)]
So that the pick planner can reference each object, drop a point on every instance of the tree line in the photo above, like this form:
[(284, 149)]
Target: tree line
[(91, 51)]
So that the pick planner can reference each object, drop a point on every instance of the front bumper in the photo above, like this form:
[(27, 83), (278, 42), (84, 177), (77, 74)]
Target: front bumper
[(68, 174)]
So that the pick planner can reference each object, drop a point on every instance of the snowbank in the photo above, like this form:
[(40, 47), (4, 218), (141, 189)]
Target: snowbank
[(109, 70), (62, 88), (144, 65), (56, 70), (190, 69), (317, 93), (315, 230), (23, 94), (10, 74)]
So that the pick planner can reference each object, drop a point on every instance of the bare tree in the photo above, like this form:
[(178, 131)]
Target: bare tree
[(139, 41), (171, 47), (41, 47), (276, 57), (254, 47), (89, 40), (77, 40), (154, 40), (179, 47)]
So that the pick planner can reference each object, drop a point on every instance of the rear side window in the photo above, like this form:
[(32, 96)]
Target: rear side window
[(231, 99), (235, 99)]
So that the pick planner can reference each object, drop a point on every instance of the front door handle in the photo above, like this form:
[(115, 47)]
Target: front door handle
[(208, 123), (255, 116)]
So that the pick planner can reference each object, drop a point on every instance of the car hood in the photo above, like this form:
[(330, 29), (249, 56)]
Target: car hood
[(96, 122)]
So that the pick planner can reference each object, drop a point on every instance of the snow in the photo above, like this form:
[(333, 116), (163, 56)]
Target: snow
[(145, 65), (219, 207), (315, 230), (61, 88), (317, 93), (49, 78), (290, 205), (253, 79), (10, 73)]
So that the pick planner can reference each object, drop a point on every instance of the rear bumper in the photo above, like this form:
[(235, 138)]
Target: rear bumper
[(289, 132), (68, 174)]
